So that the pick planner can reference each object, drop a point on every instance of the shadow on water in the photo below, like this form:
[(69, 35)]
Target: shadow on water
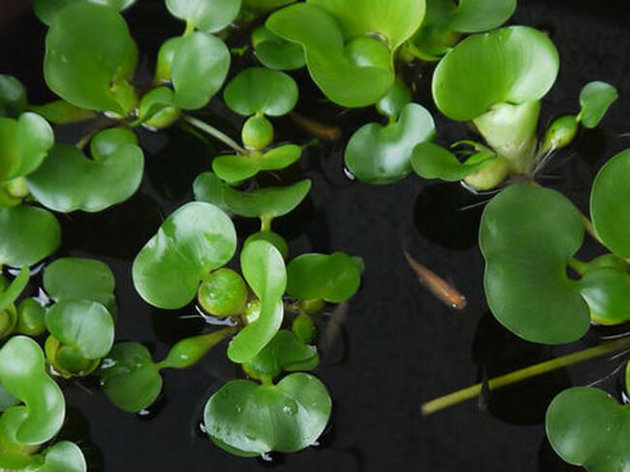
[(76, 428), (549, 461), (496, 352)]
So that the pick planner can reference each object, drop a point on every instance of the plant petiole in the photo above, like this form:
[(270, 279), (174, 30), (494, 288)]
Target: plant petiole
[(215, 133)]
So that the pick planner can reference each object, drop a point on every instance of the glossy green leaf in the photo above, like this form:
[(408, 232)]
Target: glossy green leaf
[(223, 293), (22, 373), (595, 99), (64, 456), (7, 400), (382, 155), (527, 235), (206, 15), (83, 324), (256, 419), (13, 100), (85, 70), (156, 108), (61, 112), (607, 292), (609, 210), (474, 16), (264, 5), (68, 181), (395, 20), (276, 53), (71, 278), (274, 238), (236, 168), (352, 77), (395, 100), (263, 268), (270, 202), (189, 351), (333, 278), (260, 90), (24, 143), (200, 65), (587, 427), (129, 377), (512, 65), (14, 290), (193, 241), (27, 235), (285, 352), (431, 161), (46, 10), (30, 318)]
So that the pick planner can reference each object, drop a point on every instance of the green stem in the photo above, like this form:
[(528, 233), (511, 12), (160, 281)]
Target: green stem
[(265, 223), (577, 265), (98, 126), (190, 28), (214, 132), (588, 225), (524, 374)]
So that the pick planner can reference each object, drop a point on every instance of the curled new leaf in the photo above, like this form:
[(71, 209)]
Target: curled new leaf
[(264, 91), (196, 239), (607, 292), (249, 419), (276, 53), (596, 98), (333, 278), (236, 168)]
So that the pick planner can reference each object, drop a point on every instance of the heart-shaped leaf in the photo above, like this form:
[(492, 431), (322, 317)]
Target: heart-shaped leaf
[(23, 375), (527, 235), (276, 53), (285, 352), (382, 155), (85, 70), (270, 202), (27, 235), (24, 144), (333, 278), (607, 292), (83, 324), (255, 419), (200, 65), (193, 241), (129, 377), (236, 168), (259, 90), (46, 10), (587, 427), (512, 65), (71, 278), (595, 99), (65, 456), (350, 77), (609, 210), (395, 20), (206, 15), (67, 181), (263, 268)]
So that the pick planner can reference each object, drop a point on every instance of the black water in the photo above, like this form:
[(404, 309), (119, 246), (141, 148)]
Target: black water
[(400, 347)]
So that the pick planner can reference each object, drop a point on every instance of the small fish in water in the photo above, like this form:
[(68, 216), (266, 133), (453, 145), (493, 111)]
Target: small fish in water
[(315, 128), (437, 285)]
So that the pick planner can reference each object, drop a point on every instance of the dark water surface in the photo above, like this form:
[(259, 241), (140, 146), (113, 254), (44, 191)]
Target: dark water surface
[(401, 347)]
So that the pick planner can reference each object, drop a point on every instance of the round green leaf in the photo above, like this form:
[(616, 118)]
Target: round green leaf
[(527, 235), (235, 168), (516, 64), (13, 98), (270, 202), (285, 352), (83, 324), (67, 181), (274, 52), (23, 375), (129, 377), (24, 144), (260, 90), (596, 98), (256, 419), (395, 20), (65, 456), (74, 278), (27, 235), (333, 278), (193, 241), (382, 155), (607, 292), (263, 268), (46, 10), (352, 80), (81, 67), (200, 65), (474, 16), (206, 15), (587, 427), (609, 209), (223, 293)]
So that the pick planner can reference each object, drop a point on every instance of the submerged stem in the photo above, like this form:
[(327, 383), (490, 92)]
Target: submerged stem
[(214, 132), (524, 374)]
